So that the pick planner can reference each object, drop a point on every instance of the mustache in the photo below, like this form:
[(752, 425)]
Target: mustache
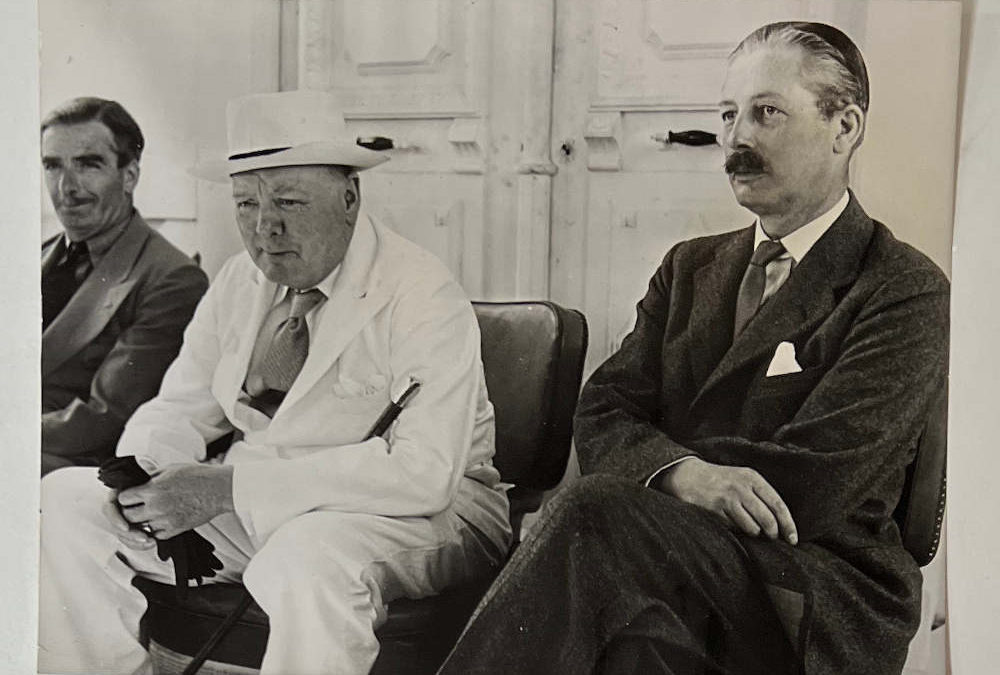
[(74, 202), (745, 161)]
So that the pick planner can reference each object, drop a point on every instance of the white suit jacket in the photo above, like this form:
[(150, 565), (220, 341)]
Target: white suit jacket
[(395, 313)]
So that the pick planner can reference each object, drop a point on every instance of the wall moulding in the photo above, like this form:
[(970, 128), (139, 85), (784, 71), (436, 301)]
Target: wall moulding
[(465, 136), (421, 48), (604, 139), (389, 59), (414, 115), (676, 52), (652, 105)]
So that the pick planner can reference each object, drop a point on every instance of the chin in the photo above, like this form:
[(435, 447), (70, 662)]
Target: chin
[(747, 199), (79, 228)]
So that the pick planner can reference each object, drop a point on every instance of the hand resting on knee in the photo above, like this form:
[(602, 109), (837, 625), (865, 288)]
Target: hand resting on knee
[(740, 495)]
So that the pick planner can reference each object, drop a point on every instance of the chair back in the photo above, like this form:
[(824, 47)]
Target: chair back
[(533, 354), (920, 512)]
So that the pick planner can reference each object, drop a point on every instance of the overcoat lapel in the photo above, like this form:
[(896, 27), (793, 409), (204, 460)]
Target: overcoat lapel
[(356, 297), (804, 301), (96, 301)]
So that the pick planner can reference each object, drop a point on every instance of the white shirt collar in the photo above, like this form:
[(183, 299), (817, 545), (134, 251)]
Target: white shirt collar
[(798, 243), (326, 286)]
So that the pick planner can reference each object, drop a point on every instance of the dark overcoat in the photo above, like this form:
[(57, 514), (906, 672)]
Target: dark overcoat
[(108, 349), (868, 316)]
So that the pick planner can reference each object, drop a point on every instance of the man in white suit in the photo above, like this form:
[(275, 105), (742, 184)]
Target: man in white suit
[(321, 525)]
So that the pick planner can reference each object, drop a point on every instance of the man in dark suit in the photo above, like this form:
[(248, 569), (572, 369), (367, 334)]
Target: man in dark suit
[(747, 445), (116, 295)]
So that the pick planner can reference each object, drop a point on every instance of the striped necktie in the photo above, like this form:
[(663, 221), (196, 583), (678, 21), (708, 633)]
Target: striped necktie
[(752, 287), (277, 370)]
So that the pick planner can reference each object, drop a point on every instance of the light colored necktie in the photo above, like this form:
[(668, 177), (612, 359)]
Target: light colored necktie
[(752, 287), (287, 352)]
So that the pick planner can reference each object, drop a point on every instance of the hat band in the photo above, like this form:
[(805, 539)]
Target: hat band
[(259, 153)]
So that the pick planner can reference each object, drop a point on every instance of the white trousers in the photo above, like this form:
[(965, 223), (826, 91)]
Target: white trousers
[(323, 579)]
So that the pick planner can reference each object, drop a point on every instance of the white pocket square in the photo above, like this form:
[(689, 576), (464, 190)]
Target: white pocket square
[(783, 361)]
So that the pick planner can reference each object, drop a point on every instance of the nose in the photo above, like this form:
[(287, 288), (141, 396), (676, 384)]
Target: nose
[(68, 183), (740, 133), (269, 221)]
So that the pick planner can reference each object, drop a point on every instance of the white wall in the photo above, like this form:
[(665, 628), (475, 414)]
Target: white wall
[(908, 185), (974, 429), (173, 65), (20, 406)]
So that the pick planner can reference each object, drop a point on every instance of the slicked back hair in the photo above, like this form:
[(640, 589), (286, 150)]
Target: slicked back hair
[(837, 71), (129, 141)]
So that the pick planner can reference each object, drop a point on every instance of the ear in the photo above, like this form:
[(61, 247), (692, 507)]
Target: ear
[(850, 129), (130, 177), (352, 200)]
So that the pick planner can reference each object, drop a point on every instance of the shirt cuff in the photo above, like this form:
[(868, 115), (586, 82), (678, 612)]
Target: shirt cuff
[(148, 465), (652, 477)]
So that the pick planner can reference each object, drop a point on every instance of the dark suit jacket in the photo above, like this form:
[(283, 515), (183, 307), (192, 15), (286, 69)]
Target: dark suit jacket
[(106, 352), (868, 316)]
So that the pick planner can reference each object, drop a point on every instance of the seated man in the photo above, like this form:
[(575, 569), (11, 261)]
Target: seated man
[(116, 295), (747, 445), (298, 347)]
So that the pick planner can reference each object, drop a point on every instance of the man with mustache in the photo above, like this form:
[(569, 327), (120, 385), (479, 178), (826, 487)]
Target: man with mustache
[(745, 448), (116, 295)]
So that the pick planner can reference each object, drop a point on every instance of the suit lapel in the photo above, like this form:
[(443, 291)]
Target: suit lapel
[(714, 300), (356, 297), (244, 335), (52, 249), (96, 301), (804, 301)]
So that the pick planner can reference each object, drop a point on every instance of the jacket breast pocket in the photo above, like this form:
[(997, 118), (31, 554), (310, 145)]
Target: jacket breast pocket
[(775, 401), (791, 383), (352, 415), (349, 387)]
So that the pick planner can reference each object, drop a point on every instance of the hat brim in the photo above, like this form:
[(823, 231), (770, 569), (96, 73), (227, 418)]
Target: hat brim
[(307, 154)]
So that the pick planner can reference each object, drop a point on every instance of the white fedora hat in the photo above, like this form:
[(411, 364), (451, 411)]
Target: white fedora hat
[(288, 128)]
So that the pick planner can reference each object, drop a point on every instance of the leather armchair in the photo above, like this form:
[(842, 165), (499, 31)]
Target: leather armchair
[(920, 512)]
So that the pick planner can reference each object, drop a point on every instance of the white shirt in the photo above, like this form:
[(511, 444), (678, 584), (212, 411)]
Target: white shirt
[(796, 244)]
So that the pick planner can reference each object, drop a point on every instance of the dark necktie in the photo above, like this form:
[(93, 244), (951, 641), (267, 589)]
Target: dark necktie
[(277, 370), (752, 286), (63, 280)]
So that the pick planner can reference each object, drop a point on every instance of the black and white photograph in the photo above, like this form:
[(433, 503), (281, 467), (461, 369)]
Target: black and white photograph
[(502, 336)]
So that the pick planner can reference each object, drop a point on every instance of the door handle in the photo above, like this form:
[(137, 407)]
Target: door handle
[(385, 143), (693, 137), (376, 142)]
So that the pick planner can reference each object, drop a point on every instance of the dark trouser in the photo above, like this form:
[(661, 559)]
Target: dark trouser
[(619, 578)]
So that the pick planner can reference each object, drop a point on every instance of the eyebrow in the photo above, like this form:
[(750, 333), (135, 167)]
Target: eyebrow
[(284, 188), (276, 190), (755, 97), (89, 157)]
